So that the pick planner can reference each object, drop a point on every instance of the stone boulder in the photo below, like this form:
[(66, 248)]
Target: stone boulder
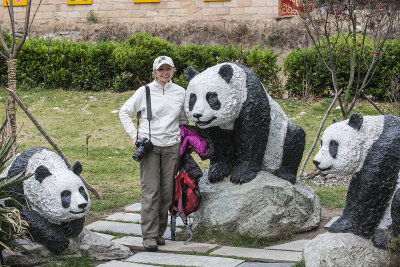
[(98, 248), (267, 206), (343, 249)]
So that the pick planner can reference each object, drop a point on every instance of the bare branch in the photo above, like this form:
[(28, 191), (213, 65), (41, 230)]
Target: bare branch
[(34, 15), (318, 133), (26, 26), (372, 103), (4, 44), (12, 20), (6, 58), (48, 138)]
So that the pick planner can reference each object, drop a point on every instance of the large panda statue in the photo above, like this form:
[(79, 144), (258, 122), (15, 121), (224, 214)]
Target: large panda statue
[(369, 148), (55, 200), (248, 128)]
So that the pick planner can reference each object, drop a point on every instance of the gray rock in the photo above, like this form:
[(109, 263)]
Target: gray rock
[(266, 207), (33, 254), (343, 249), (98, 247)]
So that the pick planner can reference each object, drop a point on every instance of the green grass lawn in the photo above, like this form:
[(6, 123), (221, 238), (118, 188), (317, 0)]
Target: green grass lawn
[(67, 116)]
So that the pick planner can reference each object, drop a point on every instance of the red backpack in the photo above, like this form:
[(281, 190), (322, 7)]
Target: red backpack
[(186, 200)]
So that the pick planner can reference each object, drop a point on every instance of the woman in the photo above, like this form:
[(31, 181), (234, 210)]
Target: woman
[(159, 166)]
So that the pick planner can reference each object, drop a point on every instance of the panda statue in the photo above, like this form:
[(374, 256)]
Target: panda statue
[(249, 130), (54, 199), (369, 149)]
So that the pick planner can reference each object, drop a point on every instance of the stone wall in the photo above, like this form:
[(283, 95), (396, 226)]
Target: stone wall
[(167, 10)]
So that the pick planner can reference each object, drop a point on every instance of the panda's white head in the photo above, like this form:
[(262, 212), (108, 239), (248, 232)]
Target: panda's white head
[(215, 96), (341, 150), (56, 191)]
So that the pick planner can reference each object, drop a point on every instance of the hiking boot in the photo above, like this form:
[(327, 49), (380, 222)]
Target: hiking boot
[(160, 240), (150, 244)]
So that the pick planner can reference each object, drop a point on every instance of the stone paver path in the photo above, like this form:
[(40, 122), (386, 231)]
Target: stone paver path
[(176, 253)]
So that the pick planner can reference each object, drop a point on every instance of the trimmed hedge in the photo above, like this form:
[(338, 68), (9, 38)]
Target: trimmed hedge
[(306, 64), (126, 65)]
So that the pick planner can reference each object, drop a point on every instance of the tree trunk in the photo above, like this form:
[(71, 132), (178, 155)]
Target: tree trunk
[(11, 107)]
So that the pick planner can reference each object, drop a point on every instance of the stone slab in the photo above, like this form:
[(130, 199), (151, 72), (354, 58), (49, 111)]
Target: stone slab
[(123, 228), (136, 218), (123, 264), (125, 216), (259, 254), (297, 245), (116, 227), (183, 260), (134, 242), (331, 221), (134, 207), (264, 264)]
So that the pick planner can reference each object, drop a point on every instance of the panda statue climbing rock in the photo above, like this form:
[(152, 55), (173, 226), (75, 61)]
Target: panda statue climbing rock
[(369, 148), (55, 200), (248, 128)]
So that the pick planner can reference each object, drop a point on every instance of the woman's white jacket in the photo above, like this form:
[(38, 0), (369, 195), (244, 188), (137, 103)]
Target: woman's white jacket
[(167, 105)]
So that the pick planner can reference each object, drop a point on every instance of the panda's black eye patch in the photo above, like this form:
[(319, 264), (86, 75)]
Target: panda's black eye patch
[(66, 198), (212, 99), (192, 101), (83, 192), (333, 148)]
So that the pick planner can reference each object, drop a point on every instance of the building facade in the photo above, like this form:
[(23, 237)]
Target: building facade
[(130, 11)]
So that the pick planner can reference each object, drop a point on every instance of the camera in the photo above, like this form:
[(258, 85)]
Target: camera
[(143, 145)]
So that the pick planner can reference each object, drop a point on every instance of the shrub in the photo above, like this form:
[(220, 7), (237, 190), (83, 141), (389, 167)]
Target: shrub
[(134, 59), (92, 17), (200, 58), (263, 64), (12, 226), (305, 66), (124, 66)]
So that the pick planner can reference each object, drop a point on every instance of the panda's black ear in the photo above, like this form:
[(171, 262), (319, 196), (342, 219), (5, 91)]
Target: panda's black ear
[(76, 168), (41, 173), (335, 120), (226, 72), (190, 72), (355, 121)]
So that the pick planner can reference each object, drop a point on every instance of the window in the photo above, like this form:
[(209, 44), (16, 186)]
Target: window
[(146, 1), (79, 2), (15, 2)]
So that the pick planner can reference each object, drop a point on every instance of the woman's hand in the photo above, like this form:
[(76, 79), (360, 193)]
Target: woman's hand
[(134, 141)]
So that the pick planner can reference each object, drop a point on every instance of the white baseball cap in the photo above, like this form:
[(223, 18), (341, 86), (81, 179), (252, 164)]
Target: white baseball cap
[(161, 60)]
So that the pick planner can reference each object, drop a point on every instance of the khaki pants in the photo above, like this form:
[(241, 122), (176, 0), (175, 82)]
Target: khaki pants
[(157, 173)]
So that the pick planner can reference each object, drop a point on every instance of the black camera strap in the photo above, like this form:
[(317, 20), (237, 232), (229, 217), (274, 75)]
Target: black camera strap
[(149, 114)]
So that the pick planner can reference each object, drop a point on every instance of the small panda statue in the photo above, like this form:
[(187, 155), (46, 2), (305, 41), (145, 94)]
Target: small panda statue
[(55, 200), (369, 148), (249, 130)]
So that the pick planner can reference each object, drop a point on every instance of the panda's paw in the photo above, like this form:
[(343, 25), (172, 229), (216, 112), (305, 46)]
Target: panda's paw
[(342, 225), (243, 173), (381, 238), (286, 174), (218, 171)]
